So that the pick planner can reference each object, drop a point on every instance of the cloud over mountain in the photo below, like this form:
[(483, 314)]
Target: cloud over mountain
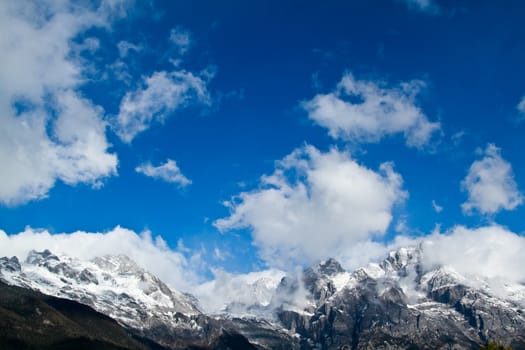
[(315, 205), (151, 253)]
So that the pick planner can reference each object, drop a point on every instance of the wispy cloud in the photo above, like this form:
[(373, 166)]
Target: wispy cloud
[(425, 6), (168, 172), (160, 95), (437, 208), (521, 108), (490, 184), (367, 111), (181, 38), (124, 47)]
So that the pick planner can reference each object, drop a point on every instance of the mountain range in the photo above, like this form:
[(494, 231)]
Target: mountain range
[(53, 301)]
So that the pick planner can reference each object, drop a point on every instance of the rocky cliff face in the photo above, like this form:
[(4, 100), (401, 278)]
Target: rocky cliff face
[(396, 304)]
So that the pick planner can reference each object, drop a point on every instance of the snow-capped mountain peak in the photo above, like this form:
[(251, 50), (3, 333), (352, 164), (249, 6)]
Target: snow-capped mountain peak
[(329, 267), (113, 285), (401, 259), (119, 264)]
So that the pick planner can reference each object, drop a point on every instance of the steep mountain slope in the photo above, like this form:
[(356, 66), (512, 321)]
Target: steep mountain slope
[(31, 320), (117, 287)]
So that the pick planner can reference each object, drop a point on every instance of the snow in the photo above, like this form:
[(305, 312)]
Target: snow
[(341, 280), (116, 286), (373, 270)]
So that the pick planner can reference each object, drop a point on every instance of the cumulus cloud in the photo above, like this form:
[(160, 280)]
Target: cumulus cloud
[(367, 111), (48, 130), (168, 172), (426, 6), (490, 184), (315, 205), (161, 94), (151, 253)]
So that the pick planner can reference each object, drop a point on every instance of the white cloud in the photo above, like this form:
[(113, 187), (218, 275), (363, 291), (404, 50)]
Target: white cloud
[(427, 6), (315, 205), (490, 184), (521, 107), (48, 130), (162, 93), (181, 38), (458, 137), (490, 255), (437, 208), (148, 252), (168, 172), (367, 111), (254, 288), (486, 256), (363, 252), (219, 254), (491, 252)]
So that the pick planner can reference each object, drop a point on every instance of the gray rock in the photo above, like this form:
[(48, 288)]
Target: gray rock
[(10, 264)]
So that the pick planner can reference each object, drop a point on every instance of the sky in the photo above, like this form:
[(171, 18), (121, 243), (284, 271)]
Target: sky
[(241, 136)]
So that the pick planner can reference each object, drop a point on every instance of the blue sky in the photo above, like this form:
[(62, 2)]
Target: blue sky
[(153, 116)]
